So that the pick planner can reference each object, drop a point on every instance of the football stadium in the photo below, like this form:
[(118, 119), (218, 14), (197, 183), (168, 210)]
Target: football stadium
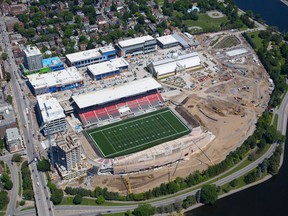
[(138, 133), (131, 129)]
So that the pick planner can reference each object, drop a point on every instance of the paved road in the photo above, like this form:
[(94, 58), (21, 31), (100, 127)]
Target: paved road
[(91, 210), (41, 193)]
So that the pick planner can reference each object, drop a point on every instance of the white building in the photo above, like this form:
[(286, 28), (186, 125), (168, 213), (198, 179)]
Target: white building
[(167, 41), (62, 80), (93, 56), (175, 64), (107, 69), (50, 114), (32, 58), (116, 93), (136, 46), (13, 140)]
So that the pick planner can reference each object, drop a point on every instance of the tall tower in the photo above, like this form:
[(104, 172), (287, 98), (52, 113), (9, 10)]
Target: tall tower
[(69, 151)]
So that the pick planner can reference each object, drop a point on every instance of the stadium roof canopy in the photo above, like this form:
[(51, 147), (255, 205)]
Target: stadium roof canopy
[(115, 93)]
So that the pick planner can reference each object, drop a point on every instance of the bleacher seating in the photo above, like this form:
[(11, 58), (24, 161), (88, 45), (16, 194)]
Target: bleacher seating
[(138, 104)]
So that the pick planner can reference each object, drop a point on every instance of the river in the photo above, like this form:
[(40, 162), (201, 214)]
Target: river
[(270, 197), (273, 12)]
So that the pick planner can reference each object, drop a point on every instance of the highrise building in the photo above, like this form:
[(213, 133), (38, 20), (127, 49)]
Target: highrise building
[(68, 151), (50, 114), (32, 58)]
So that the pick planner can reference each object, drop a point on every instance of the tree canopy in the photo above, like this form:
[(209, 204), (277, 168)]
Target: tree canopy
[(77, 199), (208, 194), (43, 165), (144, 210)]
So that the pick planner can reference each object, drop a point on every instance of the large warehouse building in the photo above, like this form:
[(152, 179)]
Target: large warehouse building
[(175, 64), (50, 114), (107, 69), (68, 78), (112, 104), (93, 56), (136, 46), (167, 41)]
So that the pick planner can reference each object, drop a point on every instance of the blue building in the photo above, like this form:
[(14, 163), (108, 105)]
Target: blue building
[(54, 63), (88, 57), (107, 69)]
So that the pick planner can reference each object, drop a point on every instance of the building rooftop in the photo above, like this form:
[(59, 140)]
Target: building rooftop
[(181, 40), (12, 134), (135, 41), (50, 108), (235, 52), (67, 142), (54, 61), (168, 39), (112, 94), (31, 51), (171, 64), (107, 66), (87, 54), (7, 115), (63, 77)]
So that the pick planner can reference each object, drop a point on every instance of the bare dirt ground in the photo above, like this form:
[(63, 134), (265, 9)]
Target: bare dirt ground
[(229, 109)]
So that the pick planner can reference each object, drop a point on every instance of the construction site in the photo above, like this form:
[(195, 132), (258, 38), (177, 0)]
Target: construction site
[(221, 101)]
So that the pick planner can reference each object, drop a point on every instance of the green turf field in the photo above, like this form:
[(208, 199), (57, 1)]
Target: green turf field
[(138, 133)]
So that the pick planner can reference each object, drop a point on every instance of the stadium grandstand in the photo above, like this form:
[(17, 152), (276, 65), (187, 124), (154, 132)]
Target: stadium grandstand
[(132, 99)]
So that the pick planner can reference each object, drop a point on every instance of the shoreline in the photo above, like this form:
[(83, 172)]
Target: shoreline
[(266, 178), (284, 2)]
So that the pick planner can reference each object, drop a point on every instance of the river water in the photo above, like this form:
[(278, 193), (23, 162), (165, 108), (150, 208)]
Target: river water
[(271, 197), (273, 12)]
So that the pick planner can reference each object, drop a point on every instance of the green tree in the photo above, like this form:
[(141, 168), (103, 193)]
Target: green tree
[(8, 185), (57, 196), (233, 183), (8, 77), (128, 213), (43, 165), (22, 203), (9, 99), (250, 177), (208, 194), (77, 199), (4, 56), (144, 209), (4, 199), (100, 199), (16, 158)]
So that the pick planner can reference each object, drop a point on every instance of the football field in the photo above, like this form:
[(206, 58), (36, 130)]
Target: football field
[(138, 133)]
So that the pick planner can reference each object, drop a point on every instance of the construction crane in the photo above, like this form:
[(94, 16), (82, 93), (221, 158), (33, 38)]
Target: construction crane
[(127, 184)]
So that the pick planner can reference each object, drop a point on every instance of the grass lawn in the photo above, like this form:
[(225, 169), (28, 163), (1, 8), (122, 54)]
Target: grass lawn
[(275, 121), (28, 208), (205, 21), (20, 185), (89, 202), (256, 39), (138, 133), (2, 213)]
